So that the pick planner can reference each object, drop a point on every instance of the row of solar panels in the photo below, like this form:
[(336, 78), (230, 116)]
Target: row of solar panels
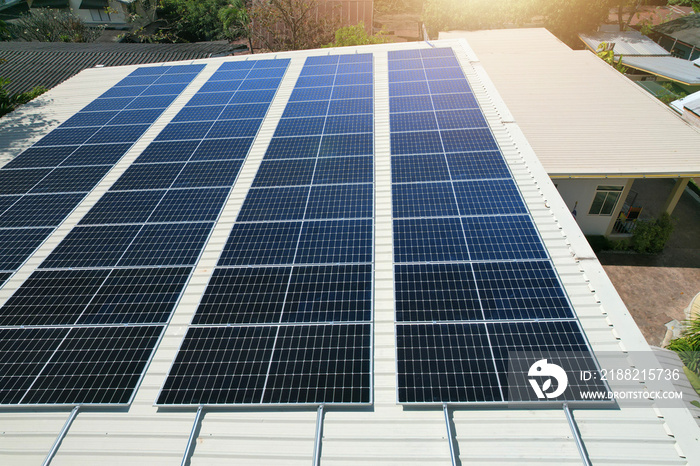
[(287, 316)]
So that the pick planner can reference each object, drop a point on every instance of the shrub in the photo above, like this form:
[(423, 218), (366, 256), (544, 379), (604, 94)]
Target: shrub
[(47, 25), (651, 236), (356, 35)]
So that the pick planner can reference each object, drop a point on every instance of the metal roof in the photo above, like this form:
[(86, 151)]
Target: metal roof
[(386, 433), (685, 29), (691, 103), (675, 69), (582, 117), (627, 43), (31, 64)]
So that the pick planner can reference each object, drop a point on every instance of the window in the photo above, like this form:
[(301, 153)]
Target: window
[(605, 200), (99, 15)]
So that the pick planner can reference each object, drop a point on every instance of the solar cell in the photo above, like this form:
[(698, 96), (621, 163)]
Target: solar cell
[(261, 243), (40, 211), (19, 244)]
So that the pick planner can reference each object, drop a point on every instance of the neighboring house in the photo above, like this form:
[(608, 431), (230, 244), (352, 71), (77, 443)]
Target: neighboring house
[(594, 130), (680, 36), (496, 170), (689, 108), (652, 15), (112, 13), (46, 64), (645, 59)]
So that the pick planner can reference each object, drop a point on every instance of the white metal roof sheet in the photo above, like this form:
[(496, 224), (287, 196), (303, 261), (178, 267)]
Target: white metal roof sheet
[(582, 117), (627, 43), (675, 69)]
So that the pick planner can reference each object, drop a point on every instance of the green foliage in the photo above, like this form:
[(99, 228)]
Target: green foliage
[(676, 92), (601, 243), (694, 3), (608, 56), (47, 25), (192, 20), (356, 35), (688, 346), (236, 21), (10, 102), (651, 236)]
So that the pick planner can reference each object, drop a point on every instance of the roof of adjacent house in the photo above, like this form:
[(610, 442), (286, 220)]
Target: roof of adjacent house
[(685, 29), (627, 43), (581, 116), (384, 433), (46, 64), (690, 103), (672, 68)]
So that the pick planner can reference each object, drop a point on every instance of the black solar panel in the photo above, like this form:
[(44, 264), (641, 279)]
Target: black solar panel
[(473, 280), (113, 283), (299, 255)]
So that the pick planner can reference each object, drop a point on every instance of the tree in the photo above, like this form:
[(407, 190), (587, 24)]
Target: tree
[(446, 15), (567, 18), (236, 22), (47, 25), (356, 35), (192, 20), (291, 24)]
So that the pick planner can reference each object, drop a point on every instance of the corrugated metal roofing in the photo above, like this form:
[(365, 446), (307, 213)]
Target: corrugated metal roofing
[(385, 433), (691, 102), (626, 43), (675, 69), (685, 29), (31, 64), (581, 116)]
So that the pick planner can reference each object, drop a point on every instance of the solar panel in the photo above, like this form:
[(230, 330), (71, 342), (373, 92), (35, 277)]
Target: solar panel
[(286, 317), (473, 281), (73, 159), (112, 284)]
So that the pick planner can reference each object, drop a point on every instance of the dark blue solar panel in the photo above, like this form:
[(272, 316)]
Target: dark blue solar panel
[(249, 295), (416, 168), (71, 179), (330, 242), (424, 200), (234, 129), (208, 174), (293, 147), (40, 211), (261, 243), (465, 247), (163, 89), (19, 244), (21, 181), (98, 105), (503, 238), (89, 119), (190, 205), (347, 144), (41, 157), (201, 113), (166, 244), (190, 130), (341, 201), (152, 102), (292, 172), (331, 293), (418, 142), (126, 117), (300, 252), (274, 204), (148, 176), (67, 136), (477, 165), (123, 207), (436, 292), (438, 363), (242, 97), (92, 246), (131, 91), (232, 112), (335, 170), (102, 154), (489, 197), (521, 290), (429, 240), (221, 149), (179, 151)]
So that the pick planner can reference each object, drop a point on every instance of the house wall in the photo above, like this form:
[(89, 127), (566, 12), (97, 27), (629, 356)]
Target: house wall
[(583, 192), (118, 18)]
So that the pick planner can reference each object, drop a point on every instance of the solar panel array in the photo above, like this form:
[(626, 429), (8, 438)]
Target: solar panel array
[(473, 280), (83, 327), (41, 187), (287, 315)]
